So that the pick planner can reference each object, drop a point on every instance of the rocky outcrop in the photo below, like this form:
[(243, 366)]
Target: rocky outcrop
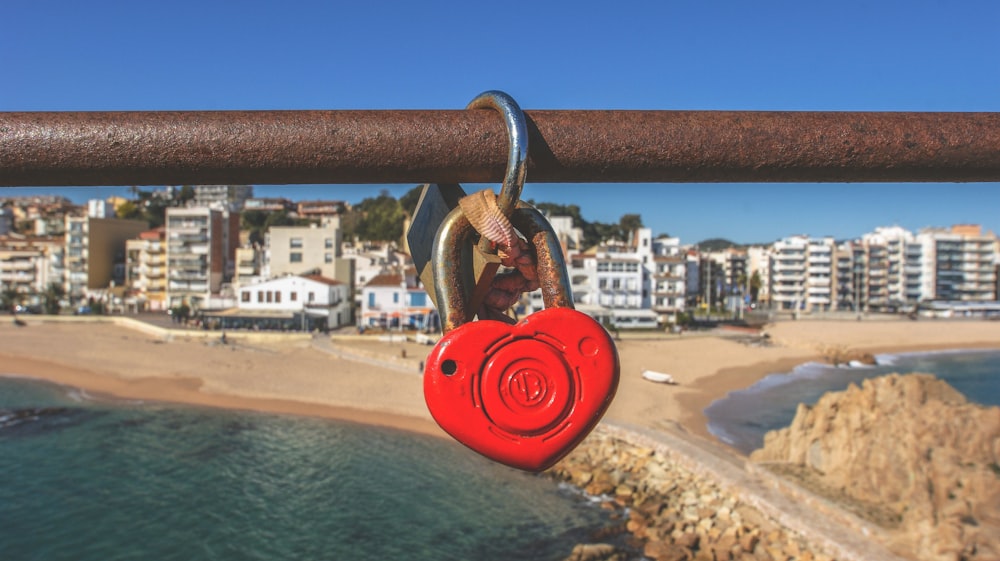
[(909, 445), (668, 512)]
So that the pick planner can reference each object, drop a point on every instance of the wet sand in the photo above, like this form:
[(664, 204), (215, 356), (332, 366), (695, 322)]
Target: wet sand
[(377, 382)]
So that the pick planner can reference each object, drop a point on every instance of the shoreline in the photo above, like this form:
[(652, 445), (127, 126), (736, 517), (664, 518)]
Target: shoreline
[(370, 383), (187, 391), (697, 421), (664, 426)]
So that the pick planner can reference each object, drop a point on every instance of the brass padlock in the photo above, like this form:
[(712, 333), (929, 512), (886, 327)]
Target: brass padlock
[(437, 200)]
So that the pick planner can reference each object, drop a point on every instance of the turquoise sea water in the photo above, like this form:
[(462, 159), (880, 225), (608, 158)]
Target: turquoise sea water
[(93, 480), (743, 417)]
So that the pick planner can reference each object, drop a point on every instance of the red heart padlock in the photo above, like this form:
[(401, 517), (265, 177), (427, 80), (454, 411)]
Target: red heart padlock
[(524, 395)]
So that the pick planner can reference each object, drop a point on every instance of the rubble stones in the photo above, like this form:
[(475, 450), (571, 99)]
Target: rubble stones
[(672, 514)]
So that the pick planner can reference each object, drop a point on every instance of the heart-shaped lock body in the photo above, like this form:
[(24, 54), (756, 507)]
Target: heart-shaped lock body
[(526, 394)]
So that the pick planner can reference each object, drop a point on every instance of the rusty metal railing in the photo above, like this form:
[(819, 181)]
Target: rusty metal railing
[(287, 147)]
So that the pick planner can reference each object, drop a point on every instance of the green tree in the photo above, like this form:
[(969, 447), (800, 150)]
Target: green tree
[(257, 222), (52, 296), (410, 199), (627, 224), (186, 194), (155, 211), (755, 284), (129, 211), (9, 298), (381, 218)]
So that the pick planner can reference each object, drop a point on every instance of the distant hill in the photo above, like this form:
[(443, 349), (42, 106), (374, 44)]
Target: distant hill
[(716, 244)]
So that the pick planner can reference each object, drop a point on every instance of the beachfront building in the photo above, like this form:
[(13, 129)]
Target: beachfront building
[(95, 254), (788, 273), (819, 274), (395, 301), (370, 259), (29, 264), (201, 247), (850, 276), (619, 277), (291, 303), (964, 263), (886, 270), (669, 278), (146, 271), (249, 263), (692, 286), (711, 279), (307, 250), (803, 274), (918, 270), (759, 265)]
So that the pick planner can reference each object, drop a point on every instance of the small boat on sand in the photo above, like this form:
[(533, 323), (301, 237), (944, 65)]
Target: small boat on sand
[(658, 377)]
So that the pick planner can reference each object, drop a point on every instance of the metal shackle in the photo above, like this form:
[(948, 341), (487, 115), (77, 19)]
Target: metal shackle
[(517, 137), (453, 258)]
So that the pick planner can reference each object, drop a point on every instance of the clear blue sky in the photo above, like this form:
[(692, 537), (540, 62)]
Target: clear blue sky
[(846, 55)]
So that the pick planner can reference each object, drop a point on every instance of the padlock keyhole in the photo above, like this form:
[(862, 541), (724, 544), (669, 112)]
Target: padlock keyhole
[(449, 367)]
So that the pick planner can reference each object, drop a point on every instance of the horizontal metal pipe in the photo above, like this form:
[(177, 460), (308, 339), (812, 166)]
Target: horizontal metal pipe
[(286, 147)]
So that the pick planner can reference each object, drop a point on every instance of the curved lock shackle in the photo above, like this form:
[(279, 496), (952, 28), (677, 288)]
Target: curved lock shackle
[(517, 154), (451, 251)]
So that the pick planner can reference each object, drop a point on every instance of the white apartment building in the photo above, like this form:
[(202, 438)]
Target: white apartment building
[(28, 265), (369, 260), (298, 302), (613, 282), (394, 301), (819, 274), (788, 273), (886, 267), (200, 247), (146, 271), (802, 273)]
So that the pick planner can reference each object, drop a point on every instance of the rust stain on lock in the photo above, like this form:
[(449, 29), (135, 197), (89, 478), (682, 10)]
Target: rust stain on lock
[(454, 273)]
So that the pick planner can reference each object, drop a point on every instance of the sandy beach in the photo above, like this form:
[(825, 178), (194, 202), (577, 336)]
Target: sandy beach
[(366, 380)]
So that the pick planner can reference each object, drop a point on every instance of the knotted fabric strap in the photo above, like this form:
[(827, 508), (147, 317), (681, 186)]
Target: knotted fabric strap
[(488, 220)]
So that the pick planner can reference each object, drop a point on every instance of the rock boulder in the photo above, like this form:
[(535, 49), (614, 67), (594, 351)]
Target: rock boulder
[(913, 445)]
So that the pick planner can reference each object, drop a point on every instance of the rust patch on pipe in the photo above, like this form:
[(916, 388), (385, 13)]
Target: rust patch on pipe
[(288, 147)]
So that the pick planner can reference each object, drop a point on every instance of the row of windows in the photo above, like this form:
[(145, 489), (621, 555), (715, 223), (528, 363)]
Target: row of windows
[(296, 257), (617, 267), (296, 243), (417, 299), (274, 296), (616, 284)]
